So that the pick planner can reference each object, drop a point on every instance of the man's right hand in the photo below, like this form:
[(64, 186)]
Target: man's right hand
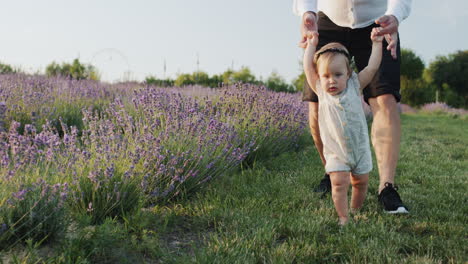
[(308, 27)]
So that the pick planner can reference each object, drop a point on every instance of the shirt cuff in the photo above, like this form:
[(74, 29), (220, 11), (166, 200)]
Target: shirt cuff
[(399, 8), (302, 6)]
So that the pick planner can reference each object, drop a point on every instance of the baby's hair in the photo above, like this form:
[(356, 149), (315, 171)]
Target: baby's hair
[(329, 51)]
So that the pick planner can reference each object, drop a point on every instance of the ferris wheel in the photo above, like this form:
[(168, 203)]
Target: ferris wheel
[(112, 65)]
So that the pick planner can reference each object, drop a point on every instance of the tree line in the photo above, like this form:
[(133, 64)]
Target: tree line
[(244, 75), (444, 80)]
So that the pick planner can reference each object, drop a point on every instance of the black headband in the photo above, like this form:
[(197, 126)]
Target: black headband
[(334, 50)]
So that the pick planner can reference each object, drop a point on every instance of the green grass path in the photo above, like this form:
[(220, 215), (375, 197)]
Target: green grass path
[(269, 214)]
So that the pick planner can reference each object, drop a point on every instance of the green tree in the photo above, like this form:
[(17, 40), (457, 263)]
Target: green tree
[(412, 66), (184, 79), (299, 82), (243, 75), (215, 81), (5, 68), (201, 78), (450, 76), (227, 77), (53, 69), (277, 83), (152, 80), (75, 70), (416, 92), (414, 89)]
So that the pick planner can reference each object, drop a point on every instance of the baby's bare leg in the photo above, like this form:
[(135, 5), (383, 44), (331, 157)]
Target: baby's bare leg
[(340, 183), (359, 183)]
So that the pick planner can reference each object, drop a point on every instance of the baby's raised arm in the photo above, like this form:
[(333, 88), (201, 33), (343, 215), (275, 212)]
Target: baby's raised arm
[(365, 76), (308, 61)]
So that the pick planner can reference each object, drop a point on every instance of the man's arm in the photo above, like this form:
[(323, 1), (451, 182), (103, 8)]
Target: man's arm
[(307, 9), (365, 76)]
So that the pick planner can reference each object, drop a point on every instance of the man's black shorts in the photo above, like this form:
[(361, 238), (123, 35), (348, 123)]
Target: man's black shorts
[(359, 45)]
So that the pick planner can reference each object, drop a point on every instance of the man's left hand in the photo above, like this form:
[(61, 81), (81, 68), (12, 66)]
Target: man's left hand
[(389, 25)]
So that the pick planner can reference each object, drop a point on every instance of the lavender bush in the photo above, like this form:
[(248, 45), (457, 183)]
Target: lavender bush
[(406, 109), (121, 146), (274, 120), (34, 211), (443, 108), (35, 99), (105, 194), (173, 142)]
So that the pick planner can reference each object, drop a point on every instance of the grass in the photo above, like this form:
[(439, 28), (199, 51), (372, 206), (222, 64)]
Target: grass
[(269, 214)]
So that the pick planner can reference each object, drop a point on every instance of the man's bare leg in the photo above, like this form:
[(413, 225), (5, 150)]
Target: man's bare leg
[(386, 134), (315, 130), (325, 184)]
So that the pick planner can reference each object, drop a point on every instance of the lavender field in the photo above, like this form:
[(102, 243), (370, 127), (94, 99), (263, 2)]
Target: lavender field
[(83, 148), (88, 166)]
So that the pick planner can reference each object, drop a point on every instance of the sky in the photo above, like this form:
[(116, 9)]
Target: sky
[(134, 39)]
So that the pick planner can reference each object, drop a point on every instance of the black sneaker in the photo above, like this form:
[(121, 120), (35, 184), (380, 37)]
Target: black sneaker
[(324, 185), (391, 200)]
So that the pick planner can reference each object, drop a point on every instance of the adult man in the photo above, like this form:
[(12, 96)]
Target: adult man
[(350, 22)]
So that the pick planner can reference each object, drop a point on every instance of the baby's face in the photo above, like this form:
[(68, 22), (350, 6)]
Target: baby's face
[(333, 77)]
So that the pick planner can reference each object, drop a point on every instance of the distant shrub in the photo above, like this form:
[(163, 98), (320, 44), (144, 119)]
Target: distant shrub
[(450, 75), (151, 80), (416, 92), (412, 65), (75, 70), (244, 75), (5, 68), (198, 78), (277, 83), (299, 82)]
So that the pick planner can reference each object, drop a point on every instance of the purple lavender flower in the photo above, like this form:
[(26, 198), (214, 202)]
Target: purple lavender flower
[(20, 195), (442, 107)]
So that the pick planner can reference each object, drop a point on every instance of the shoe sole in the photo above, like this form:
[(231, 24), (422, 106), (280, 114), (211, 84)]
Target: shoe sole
[(400, 210)]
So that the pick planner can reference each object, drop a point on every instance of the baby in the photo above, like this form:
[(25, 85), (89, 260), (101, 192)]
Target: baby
[(342, 123)]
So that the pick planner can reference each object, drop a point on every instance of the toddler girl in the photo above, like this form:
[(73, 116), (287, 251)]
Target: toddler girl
[(342, 123)]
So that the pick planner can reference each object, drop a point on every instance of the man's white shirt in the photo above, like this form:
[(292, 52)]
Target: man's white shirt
[(354, 13)]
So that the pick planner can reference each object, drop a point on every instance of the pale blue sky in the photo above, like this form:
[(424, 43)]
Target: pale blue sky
[(142, 34)]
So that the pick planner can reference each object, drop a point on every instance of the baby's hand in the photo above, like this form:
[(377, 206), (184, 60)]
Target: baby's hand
[(374, 37), (313, 41)]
